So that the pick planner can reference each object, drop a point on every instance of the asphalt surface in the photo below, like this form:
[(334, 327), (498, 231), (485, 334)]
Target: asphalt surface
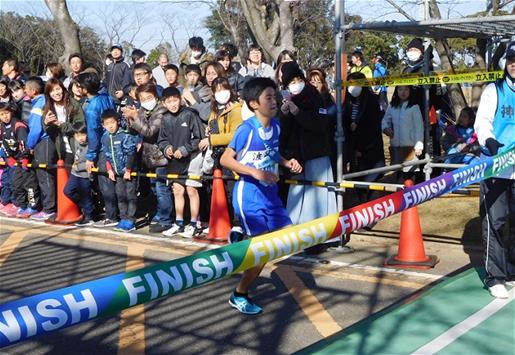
[(306, 298)]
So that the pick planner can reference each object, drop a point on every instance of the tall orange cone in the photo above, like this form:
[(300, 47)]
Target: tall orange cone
[(67, 211), (219, 222), (411, 253)]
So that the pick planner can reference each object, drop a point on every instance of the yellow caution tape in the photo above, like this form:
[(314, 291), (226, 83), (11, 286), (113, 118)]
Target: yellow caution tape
[(436, 78)]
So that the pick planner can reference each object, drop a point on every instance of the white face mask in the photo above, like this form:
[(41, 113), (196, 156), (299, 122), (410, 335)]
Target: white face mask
[(355, 91), (48, 74), (196, 54), (413, 56), (149, 105), (296, 88), (222, 96)]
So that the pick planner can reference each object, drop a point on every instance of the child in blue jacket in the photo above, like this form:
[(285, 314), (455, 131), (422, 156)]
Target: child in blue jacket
[(119, 147)]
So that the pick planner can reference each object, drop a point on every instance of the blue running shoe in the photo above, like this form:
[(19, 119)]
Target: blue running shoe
[(129, 226), (120, 227), (244, 305)]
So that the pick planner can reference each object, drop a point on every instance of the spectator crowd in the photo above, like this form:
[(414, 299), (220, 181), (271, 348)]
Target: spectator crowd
[(179, 118)]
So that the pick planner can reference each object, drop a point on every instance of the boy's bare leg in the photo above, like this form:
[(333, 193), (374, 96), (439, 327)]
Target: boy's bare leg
[(248, 278), (194, 202), (178, 196)]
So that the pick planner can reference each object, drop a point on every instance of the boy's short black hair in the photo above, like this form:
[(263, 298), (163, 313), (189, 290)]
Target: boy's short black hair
[(7, 106), (171, 92), (74, 55), (196, 43), (90, 82), (36, 83), (193, 67), (137, 54), (143, 66), (171, 67), (254, 88), (108, 114), (79, 127), (16, 85)]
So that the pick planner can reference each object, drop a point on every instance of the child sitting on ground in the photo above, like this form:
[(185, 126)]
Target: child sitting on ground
[(460, 140), (179, 137), (120, 151)]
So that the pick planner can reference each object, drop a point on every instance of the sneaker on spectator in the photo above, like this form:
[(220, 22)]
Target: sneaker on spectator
[(154, 220), (189, 231), (157, 228), (3, 207), (125, 225), (103, 223), (174, 229), (85, 222), (205, 230), (510, 283), (10, 210), (25, 212), (236, 235), (42, 216), (244, 304), (499, 291)]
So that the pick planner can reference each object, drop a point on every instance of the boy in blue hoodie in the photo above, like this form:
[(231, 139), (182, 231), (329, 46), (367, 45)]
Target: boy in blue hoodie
[(120, 151)]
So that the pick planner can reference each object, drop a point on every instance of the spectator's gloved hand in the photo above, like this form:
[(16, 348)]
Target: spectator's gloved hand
[(24, 164), (493, 146), (11, 162)]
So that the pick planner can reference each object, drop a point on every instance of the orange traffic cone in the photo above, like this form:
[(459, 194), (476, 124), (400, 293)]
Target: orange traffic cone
[(411, 253), (219, 222), (67, 211)]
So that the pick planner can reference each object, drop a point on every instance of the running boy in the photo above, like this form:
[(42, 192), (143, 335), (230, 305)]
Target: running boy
[(13, 138), (179, 137), (120, 151), (254, 154), (78, 187)]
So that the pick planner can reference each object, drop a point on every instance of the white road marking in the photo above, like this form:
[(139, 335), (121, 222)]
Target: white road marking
[(465, 326)]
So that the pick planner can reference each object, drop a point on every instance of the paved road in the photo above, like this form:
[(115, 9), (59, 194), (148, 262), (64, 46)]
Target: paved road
[(306, 298)]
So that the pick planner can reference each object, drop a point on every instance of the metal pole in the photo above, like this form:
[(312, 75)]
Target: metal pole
[(339, 9), (340, 44)]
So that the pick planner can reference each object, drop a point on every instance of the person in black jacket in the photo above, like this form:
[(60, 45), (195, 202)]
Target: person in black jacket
[(118, 75), (179, 136), (13, 141), (362, 126), (304, 135)]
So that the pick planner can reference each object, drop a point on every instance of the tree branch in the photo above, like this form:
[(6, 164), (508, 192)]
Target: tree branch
[(404, 13)]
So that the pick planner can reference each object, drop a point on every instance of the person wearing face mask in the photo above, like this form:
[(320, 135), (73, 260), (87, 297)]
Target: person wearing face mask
[(225, 118), (362, 127), (495, 128), (195, 54), (439, 99), (305, 136), (146, 121)]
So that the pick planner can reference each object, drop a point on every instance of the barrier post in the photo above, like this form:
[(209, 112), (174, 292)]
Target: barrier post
[(67, 211)]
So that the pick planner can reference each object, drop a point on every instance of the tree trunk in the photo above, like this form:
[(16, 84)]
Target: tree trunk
[(67, 27), (455, 91), (271, 26)]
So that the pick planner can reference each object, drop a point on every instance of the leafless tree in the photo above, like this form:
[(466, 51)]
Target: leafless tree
[(67, 27)]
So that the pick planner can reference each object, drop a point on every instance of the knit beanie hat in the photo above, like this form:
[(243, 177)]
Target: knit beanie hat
[(416, 43), (289, 71)]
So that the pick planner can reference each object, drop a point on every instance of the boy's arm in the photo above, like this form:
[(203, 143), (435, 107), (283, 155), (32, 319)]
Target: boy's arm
[(228, 160), (196, 135), (162, 141), (35, 125)]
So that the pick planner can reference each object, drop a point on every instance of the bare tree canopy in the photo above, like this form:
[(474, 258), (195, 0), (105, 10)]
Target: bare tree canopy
[(67, 27)]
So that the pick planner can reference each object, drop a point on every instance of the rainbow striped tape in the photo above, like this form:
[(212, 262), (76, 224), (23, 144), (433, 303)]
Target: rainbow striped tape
[(61, 308)]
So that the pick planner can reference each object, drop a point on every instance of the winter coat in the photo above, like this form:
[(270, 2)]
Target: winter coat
[(181, 131), (13, 139), (118, 77), (367, 138), (305, 136), (407, 125), (35, 121), (236, 81), (264, 71), (93, 108), (185, 59), (79, 160), (65, 129), (120, 150), (147, 125), (224, 125)]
